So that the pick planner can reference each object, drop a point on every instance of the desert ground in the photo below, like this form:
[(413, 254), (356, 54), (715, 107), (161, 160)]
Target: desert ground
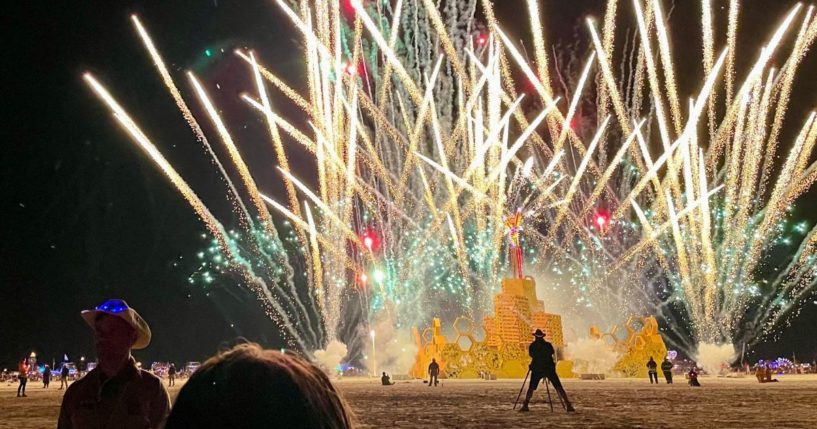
[(612, 403)]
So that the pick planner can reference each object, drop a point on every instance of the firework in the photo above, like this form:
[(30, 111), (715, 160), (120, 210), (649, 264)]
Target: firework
[(418, 136)]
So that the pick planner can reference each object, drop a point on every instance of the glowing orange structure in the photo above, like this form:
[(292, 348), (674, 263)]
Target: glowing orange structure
[(637, 347), (503, 349)]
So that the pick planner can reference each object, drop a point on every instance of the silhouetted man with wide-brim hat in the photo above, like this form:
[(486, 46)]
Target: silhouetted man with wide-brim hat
[(116, 393), (543, 365)]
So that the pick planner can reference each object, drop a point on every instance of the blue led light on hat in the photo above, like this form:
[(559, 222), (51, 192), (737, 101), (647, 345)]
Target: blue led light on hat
[(114, 306)]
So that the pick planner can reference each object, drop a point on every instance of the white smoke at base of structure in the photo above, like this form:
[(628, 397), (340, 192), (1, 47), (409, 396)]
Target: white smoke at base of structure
[(395, 351), (331, 357), (714, 357), (592, 356)]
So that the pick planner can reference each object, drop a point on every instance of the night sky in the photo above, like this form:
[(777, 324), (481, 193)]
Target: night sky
[(85, 216)]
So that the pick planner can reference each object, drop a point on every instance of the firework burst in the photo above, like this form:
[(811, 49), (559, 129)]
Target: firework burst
[(423, 146)]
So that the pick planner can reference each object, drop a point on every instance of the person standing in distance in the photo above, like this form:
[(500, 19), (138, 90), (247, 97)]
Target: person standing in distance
[(666, 368), (23, 368), (46, 376), (171, 375), (433, 372), (115, 393), (64, 373), (652, 368)]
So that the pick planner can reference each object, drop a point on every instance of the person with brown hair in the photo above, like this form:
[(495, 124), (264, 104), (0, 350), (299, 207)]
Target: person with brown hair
[(249, 387)]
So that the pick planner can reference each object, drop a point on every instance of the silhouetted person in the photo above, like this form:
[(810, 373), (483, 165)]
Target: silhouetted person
[(115, 393), (433, 372), (693, 378), (22, 369), (543, 366), (171, 375), (64, 373), (666, 368), (652, 369), (768, 375), (285, 392), (46, 376), (385, 380), (760, 373)]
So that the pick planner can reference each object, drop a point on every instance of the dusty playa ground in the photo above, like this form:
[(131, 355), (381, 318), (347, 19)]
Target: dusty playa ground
[(720, 403), (623, 403)]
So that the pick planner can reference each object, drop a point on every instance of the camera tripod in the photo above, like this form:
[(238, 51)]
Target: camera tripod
[(547, 389)]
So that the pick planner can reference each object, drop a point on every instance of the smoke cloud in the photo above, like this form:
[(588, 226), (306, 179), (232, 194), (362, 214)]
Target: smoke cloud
[(331, 357), (395, 350), (592, 356), (711, 357)]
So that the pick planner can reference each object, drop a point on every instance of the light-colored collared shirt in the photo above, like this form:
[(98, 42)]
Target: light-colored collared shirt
[(132, 399)]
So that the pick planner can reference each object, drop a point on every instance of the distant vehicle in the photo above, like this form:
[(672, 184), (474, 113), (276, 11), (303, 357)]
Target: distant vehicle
[(159, 369), (189, 368), (73, 373), (351, 371)]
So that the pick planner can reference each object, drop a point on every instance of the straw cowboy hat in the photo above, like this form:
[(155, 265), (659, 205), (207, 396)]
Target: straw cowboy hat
[(119, 308)]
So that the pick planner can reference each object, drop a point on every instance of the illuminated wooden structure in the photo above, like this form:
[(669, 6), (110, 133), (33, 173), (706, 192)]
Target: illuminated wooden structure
[(636, 347), (502, 349)]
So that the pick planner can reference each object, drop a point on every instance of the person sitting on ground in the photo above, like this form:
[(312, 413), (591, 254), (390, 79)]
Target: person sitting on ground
[(433, 372), (760, 373), (386, 380), (115, 393), (693, 378), (284, 391), (768, 375), (543, 366)]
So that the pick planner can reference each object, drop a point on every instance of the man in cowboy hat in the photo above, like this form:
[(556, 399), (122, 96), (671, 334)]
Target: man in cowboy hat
[(543, 365), (115, 393)]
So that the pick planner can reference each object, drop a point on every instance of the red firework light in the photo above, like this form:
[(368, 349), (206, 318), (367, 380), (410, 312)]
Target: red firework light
[(602, 219), (369, 240)]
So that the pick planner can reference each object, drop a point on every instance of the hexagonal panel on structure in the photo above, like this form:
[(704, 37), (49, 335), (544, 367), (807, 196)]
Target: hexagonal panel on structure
[(465, 342), (428, 336), (463, 326), (479, 333)]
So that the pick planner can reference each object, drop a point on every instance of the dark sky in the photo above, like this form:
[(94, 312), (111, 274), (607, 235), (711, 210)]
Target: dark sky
[(85, 216)]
